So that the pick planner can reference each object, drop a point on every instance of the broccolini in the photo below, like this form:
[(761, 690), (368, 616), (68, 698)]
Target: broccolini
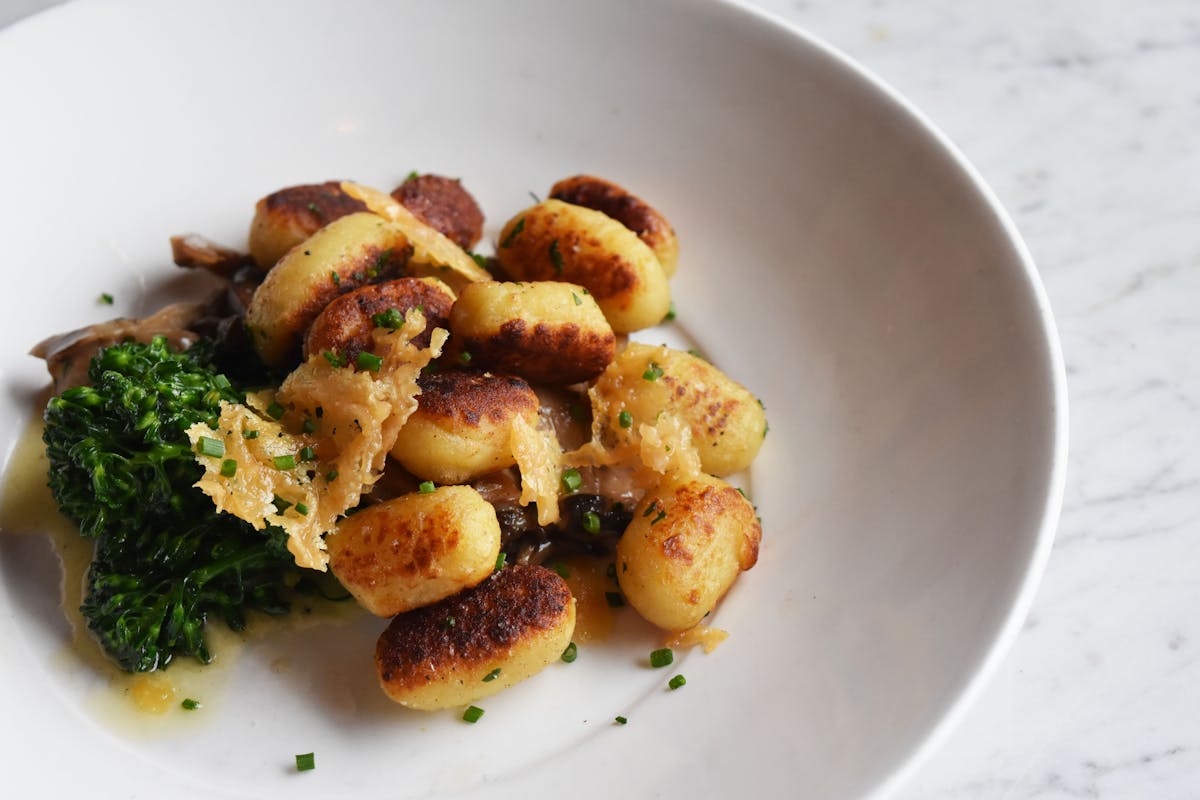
[(121, 467)]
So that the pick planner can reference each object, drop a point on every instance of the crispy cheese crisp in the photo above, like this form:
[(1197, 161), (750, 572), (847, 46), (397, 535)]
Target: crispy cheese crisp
[(305, 470)]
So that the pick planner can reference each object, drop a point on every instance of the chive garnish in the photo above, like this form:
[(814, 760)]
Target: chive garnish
[(334, 359), (556, 258), (661, 657), (625, 419), (275, 410), (575, 297), (208, 446), (251, 434), (228, 468), (516, 229), (591, 522), (331, 476), (561, 569), (426, 487), (620, 720), (676, 682), (106, 299), (302, 509), (369, 362), (653, 372), (670, 313), (571, 480), (500, 561), (464, 357), (189, 704), (472, 714), (284, 462), (391, 319), (571, 653), (336, 278), (491, 676), (305, 762)]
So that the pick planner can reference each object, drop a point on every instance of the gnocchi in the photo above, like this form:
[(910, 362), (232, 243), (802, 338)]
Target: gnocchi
[(557, 241), (688, 541), (547, 332), (415, 549)]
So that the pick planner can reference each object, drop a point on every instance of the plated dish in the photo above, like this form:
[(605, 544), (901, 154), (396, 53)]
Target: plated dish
[(839, 258)]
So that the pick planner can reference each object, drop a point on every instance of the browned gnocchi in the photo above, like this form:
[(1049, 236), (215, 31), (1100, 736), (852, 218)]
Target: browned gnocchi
[(519, 422), (547, 332)]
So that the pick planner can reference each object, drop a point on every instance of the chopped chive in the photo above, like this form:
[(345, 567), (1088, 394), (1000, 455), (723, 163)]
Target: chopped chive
[(228, 468), (331, 476), (570, 654), (302, 509), (251, 434), (472, 714), (516, 229), (369, 362), (620, 720), (500, 561), (337, 279), (561, 569), (305, 761), (491, 676), (308, 454), (284, 462), (189, 704), (556, 258), (208, 446), (312, 207), (427, 487), (334, 359), (221, 382), (625, 419), (670, 313), (614, 599), (391, 319), (575, 297), (661, 657), (659, 518), (309, 426), (379, 263), (571, 480), (411, 176), (697, 354), (105, 299), (653, 372), (464, 357), (275, 410), (591, 522), (650, 508), (676, 682), (480, 259)]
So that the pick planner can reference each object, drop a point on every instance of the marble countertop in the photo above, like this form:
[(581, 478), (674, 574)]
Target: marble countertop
[(1084, 116)]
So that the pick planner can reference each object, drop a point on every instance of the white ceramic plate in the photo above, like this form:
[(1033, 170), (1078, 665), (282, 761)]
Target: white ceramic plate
[(838, 258)]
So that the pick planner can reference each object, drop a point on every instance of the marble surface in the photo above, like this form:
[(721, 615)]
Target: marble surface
[(1084, 116)]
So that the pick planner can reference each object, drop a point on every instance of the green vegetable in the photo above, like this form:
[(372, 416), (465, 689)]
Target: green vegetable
[(391, 319), (122, 468), (491, 676), (571, 480), (662, 657), (369, 362), (305, 762), (472, 714), (571, 653), (189, 704), (426, 487), (676, 682), (620, 720)]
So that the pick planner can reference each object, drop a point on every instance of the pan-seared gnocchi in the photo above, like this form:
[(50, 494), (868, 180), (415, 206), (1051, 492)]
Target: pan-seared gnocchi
[(415, 549), (687, 543), (547, 332), (557, 241), (536, 430), (463, 425), (506, 629), (727, 422), (627, 209)]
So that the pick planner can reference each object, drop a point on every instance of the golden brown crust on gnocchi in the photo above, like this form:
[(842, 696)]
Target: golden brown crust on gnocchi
[(415, 549), (688, 541), (627, 209), (517, 621), (462, 426), (285, 218), (727, 422), (557, 241), (344, 326), (549, 332), (444, 205)]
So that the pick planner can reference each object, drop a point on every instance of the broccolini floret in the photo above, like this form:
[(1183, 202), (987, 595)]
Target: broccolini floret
[(121, 466)]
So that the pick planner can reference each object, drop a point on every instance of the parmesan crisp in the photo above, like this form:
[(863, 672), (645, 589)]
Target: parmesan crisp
[(306, 469)]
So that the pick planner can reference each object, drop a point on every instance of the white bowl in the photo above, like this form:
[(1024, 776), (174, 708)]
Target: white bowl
[(838, 257)]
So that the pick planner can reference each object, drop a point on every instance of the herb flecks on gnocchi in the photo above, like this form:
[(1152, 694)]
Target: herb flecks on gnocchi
[(428, 418)]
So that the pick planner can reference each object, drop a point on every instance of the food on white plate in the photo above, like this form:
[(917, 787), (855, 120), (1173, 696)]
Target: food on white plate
[(557, 241), (367, 396)]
